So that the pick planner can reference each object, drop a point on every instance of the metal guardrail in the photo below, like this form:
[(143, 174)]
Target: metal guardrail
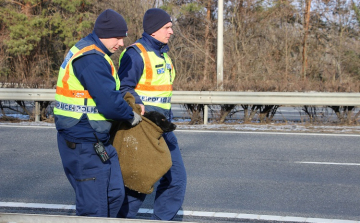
[(216, 97), (266, 98), (27, 94)]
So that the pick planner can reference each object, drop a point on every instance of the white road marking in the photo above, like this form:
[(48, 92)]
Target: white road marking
[(27, 126), (329, 163), (267, 133), (190, 213)]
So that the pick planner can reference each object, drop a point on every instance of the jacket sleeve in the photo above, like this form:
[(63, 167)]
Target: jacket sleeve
[(131, 67), (94, 73)]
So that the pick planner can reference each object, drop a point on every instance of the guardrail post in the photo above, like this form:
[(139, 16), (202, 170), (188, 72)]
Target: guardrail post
[(37, 112), (206, 114)]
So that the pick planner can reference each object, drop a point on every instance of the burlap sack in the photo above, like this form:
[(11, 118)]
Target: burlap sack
[(143, 154)]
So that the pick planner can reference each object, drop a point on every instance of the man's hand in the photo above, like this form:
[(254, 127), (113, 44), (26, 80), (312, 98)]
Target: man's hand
[(142, 109), (135, 120)]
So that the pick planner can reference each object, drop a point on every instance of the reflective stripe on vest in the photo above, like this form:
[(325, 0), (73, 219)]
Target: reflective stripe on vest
[(72, 93), (155, 85), (76, 108), (156, 99)]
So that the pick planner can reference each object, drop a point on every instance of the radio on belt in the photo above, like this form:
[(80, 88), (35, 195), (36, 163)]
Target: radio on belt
[(100, 150)]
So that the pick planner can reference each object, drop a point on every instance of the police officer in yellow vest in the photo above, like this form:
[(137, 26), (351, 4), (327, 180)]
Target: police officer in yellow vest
[(87, 99), (146, 71)]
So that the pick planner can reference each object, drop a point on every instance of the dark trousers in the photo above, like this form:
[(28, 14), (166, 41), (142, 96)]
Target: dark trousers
[(170, 192), (98, 186)]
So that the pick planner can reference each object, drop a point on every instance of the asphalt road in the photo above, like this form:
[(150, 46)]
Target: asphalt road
[(300, 175)]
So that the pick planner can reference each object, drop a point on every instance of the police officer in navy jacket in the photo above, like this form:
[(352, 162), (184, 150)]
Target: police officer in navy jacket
[(146, 71), (87, 100)]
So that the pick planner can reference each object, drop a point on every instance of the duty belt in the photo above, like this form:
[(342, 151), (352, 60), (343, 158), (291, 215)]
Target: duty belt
[(156, 99), (76, 108)]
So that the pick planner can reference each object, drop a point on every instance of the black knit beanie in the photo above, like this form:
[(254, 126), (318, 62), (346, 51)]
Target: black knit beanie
[(110, 24), (154, 19)]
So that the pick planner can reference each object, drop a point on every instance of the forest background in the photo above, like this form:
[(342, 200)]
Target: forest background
[(269, 45)]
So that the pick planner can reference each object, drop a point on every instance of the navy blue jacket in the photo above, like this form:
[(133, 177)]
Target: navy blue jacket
[(94, 73), (132, 66)]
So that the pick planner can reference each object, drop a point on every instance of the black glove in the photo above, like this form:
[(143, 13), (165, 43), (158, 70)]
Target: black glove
[(135, 120)]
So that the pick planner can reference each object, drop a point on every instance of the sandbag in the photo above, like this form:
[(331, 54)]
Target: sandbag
[(144, 156)]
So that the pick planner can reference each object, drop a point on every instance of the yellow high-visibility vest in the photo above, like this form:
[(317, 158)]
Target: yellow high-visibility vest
[(155, 85), (72, 100)]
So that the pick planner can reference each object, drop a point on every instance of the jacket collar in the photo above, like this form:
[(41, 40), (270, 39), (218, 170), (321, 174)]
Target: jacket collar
[(155, 44), (93, 37)]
